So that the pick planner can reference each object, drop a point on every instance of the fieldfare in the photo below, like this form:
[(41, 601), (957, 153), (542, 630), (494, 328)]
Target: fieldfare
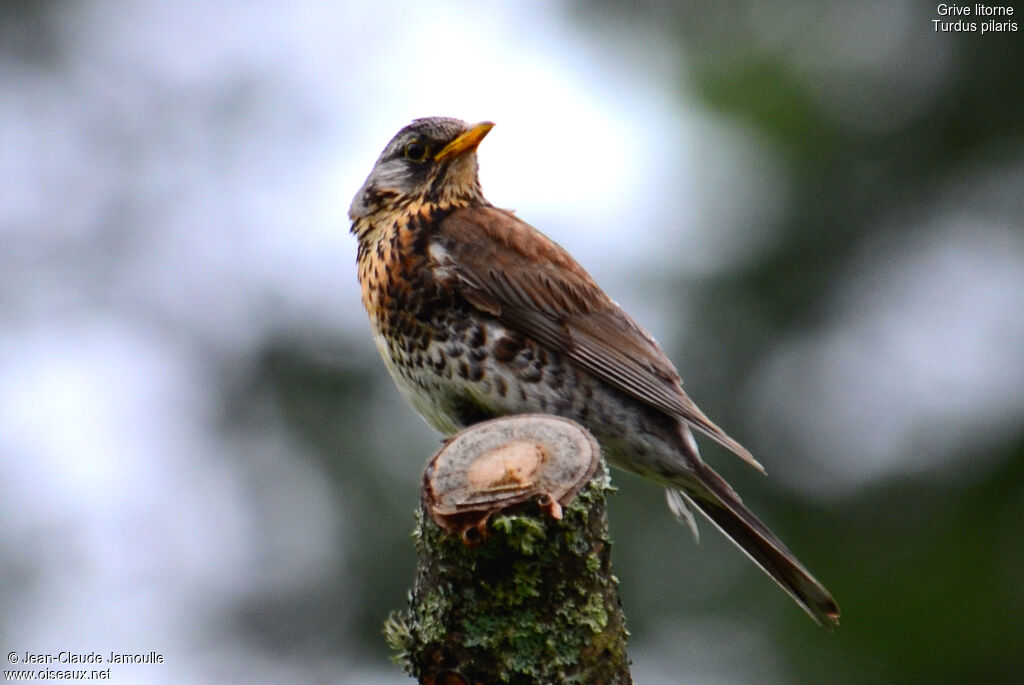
[(477, 315)]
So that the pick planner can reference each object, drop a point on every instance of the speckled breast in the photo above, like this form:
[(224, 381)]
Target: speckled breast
[(454, 364)]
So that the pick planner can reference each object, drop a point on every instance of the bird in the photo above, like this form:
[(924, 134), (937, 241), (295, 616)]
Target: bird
[(477, 315)]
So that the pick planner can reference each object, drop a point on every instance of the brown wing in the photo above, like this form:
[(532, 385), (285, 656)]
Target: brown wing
[(505, 267)]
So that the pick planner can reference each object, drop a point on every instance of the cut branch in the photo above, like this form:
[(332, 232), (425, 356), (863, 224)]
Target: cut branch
[(514, 580)]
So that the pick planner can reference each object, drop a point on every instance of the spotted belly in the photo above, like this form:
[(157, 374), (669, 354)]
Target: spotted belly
[(471, 377), (478, 373)]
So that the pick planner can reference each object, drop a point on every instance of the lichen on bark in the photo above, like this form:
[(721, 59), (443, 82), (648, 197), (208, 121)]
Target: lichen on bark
[(534, 602)]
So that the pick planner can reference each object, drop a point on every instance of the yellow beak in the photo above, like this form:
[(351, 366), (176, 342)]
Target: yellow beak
[(468, 140)]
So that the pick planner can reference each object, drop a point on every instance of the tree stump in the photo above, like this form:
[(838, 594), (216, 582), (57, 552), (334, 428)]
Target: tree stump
[(514, 581)]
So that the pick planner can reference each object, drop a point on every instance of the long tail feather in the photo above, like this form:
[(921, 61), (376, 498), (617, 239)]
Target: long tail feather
[(723, 507)]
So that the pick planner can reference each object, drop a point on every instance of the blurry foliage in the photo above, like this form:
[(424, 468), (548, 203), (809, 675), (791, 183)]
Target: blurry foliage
[(329, 405), (25, 33)]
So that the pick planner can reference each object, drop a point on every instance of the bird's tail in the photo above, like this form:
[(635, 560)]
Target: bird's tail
[(723, 507)]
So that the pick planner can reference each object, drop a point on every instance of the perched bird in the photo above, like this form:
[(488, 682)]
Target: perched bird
[(477, 315)]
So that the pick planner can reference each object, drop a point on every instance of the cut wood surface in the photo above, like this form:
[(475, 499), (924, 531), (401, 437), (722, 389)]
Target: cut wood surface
[(514, 581)]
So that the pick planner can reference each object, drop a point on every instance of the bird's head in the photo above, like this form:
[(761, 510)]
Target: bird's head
[(430, 160)]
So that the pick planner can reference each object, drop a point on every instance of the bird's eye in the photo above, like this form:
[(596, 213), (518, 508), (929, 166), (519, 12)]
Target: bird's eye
[(416, 151)]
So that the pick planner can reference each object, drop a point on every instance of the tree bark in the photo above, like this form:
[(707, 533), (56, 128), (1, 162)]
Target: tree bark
[(514, 581)]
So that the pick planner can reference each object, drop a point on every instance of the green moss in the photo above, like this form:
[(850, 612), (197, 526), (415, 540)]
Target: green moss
[(523, 533)]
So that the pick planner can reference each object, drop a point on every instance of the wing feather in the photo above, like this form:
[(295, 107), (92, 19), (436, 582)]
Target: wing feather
[(532, 285)]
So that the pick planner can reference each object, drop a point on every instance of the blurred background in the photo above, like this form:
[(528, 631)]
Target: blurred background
[(816, 207)]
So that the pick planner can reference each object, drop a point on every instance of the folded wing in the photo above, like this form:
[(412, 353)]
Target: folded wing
[(533, 286)]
